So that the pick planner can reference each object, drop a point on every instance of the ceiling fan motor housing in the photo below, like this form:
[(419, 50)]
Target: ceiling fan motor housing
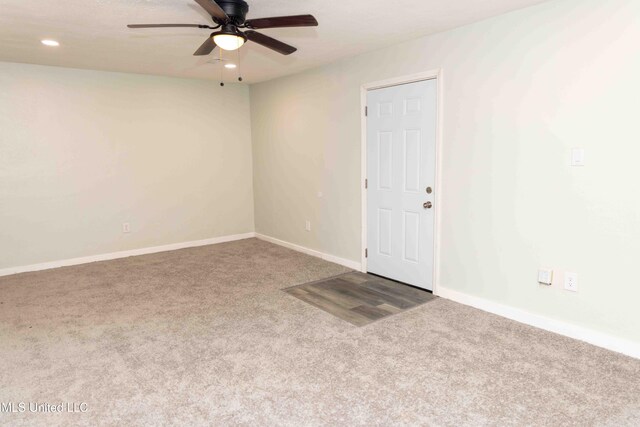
[(230, 29), (236, 10)]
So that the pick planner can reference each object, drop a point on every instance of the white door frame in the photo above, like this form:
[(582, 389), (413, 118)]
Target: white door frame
[(364, 89)]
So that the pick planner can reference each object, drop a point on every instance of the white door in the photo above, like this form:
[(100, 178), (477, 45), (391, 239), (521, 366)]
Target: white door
[(401, 163)]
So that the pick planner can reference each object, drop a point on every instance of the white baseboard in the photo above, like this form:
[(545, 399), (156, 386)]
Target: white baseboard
[(599, 339), (620, 345), (123, 254), (354, 265)]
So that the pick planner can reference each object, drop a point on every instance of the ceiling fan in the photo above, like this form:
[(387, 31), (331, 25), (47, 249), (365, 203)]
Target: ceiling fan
[(229, 16)]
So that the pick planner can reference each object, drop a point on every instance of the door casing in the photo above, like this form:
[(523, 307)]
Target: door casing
[(365, 88)]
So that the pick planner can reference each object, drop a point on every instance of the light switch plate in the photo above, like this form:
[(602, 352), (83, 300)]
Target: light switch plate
[(545, 277), (577, 157)]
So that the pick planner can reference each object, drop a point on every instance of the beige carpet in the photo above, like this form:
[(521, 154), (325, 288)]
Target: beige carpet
[(205, 336)]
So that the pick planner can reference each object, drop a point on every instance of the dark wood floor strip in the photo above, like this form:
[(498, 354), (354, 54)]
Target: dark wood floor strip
[(400, 294), (360, 298), (330, 307), (373, 313), (358, 292)]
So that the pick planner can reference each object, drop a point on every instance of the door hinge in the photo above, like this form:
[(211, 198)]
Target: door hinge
[(366, 253), (366, 184), (366, 111)]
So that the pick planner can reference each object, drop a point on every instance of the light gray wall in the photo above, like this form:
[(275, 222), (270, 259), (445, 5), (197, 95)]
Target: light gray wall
[(520, 90), (81, 152)]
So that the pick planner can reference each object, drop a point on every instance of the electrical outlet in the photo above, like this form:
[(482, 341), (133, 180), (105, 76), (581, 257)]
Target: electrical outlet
[(571, 282), (545, 277), (126, 227), (307, 225)]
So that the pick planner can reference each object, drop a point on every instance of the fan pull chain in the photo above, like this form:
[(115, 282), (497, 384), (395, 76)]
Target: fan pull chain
[(239, 69), (221, 69)]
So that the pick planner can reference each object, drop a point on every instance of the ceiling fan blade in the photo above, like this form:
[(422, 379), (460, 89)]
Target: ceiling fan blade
[(168, 26), (206, 48), (270, 42), (213, 9), (283, 21)]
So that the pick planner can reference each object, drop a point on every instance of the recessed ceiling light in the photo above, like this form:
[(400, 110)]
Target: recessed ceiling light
[(50, 43), (230, 66)]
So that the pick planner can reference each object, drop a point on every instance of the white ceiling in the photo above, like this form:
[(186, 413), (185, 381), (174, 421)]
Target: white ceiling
[(93, 33)]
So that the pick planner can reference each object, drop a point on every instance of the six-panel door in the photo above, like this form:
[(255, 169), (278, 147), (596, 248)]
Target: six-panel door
[(401, 150)]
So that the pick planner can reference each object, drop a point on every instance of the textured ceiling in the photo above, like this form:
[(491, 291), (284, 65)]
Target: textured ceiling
[(93, 33)]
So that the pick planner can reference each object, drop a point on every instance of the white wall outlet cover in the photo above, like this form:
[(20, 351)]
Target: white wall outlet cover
[(126, 227), (307, 225), (545, 277), (571, 282), (577, 157)]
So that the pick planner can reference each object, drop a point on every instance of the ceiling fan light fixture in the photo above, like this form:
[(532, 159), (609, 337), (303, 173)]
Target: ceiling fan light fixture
[(229, 41)]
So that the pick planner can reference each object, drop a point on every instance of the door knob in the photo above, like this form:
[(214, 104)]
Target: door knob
[(427, 205)]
